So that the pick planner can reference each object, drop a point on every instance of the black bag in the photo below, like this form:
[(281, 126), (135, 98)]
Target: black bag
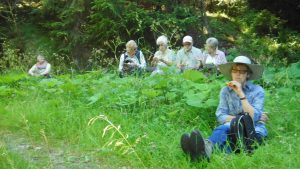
[(137, 54), (242, 133)]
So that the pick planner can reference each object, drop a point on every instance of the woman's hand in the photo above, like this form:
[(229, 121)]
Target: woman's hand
[(236, 87), (154, 61), (264, 117)]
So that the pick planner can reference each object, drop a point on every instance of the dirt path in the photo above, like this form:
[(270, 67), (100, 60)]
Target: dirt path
[(41, 156)]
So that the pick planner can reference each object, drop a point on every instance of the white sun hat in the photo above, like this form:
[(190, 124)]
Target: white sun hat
[(256, 70), (187, 39)]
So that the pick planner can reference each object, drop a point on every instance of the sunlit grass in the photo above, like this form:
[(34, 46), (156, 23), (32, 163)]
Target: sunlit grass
[(57, 112)]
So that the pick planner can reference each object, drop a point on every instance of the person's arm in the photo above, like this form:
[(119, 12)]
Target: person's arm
[(202, 59), (47, 70), (121, 63), (222, 112), (155, 59), (179, 59), (258, 103), (256, 108), (143, 61), (169, 58), (222, 58), (169, 63), (32, 69), (199, 58)]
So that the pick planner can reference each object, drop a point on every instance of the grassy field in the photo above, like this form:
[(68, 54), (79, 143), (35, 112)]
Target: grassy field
[(97, 120)]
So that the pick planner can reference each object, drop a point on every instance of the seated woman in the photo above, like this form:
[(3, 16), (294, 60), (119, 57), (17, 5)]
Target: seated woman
[(239, 95), (164, 56), (212, 56), (41, 68), (132, 61)]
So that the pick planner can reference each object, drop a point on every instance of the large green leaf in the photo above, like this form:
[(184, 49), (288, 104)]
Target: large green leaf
[(194, 76), (150, 92), (294, 70), (196, 100)]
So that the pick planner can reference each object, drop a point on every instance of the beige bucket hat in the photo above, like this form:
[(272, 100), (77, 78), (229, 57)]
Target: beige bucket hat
[(256, 70)]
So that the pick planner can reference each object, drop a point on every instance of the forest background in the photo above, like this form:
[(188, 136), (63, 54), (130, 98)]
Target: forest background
[(87, 117), (84, 34)]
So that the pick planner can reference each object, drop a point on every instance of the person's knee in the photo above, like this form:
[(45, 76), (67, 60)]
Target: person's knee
[(224, 127)]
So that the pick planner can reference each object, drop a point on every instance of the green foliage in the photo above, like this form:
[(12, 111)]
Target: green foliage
[(266, 24), (142, 119), (265, 39), (12, 160), (229, 7), (12, 59), (283, 77)]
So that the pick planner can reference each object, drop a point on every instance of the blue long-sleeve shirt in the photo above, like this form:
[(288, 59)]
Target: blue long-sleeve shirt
[(230, 104)]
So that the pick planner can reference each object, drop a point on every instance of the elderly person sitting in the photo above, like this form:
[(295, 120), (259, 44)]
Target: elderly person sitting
[(164, 56), (240, 95), (132, 60), (189, 56), (41, 68), (213, 56)]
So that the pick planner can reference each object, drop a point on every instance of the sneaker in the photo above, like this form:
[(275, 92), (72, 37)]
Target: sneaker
[(197, 145), (185, 143), (208, 149)]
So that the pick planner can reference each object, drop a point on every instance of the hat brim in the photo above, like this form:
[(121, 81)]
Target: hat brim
[(257, 70)]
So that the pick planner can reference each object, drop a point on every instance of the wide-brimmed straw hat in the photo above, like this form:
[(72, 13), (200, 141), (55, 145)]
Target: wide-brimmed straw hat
[(256, 70)]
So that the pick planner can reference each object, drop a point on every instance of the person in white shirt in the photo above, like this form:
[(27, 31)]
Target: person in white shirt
[(189, 56), (164, 56), (132, 60), (213, 56), (41, 68)]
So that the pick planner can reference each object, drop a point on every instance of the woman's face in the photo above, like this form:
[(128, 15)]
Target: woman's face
[(210, 49), (131, 51), (162, 47), (239, 73), (40, 60)]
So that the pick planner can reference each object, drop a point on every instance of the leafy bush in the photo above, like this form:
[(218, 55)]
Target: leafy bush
[(266, 40), (12, 59)]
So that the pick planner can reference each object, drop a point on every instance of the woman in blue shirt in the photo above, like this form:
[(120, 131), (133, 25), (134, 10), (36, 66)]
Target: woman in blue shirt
[(240, 95)]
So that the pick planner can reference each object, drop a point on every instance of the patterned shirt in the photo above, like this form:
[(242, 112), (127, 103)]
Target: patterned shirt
[(190, 59), (230, 104), (37, 69), (168, 56), (134, 59), (218, 59)]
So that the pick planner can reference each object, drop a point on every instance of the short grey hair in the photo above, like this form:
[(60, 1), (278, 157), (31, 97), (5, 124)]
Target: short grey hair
[(40, 57), (131, 44), (213, 42), (162, 40)]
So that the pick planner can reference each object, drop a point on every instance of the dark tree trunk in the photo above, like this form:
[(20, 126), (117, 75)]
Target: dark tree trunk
[(205, 29)]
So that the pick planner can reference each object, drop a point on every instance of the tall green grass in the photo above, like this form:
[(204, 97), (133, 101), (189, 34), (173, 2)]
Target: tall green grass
[(149, 115)]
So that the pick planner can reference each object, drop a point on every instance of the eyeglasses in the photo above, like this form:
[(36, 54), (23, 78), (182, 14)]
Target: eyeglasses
[(240, 71), (131, 49), (187, 44)]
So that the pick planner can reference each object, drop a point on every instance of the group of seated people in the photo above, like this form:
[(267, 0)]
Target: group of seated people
[(133, 60), (188, 57), (241, 105), (240, 112)]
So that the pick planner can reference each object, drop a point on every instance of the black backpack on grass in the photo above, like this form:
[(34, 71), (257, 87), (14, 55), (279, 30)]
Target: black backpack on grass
[(242, 133)]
